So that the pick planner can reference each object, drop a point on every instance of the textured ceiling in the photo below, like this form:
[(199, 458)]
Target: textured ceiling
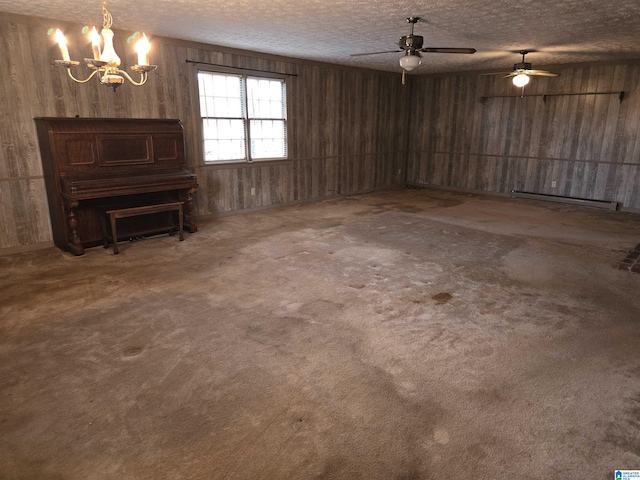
[(561, 31)]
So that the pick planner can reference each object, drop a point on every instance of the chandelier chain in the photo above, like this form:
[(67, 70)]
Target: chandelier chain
[(107, 19)]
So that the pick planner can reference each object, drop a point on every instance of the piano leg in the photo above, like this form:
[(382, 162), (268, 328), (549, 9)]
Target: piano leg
[(188, 209), (74, 245)]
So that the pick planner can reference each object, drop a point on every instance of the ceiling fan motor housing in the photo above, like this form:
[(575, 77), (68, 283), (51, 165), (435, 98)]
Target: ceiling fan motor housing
[(522, 66), (411, 42)]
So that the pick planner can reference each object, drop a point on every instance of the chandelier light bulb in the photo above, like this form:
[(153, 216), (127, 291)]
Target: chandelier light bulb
[(95, 43), (142, 47), (521, 80), (410, 61), (62, 43)]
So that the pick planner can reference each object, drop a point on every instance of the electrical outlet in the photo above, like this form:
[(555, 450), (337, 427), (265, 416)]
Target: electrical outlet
[(253, 190), (553, 184)]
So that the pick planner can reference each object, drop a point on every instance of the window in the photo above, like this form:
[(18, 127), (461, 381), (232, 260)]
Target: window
[(243, 117)]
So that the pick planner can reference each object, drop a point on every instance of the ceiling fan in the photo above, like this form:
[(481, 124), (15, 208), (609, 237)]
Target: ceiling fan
[(522, 71), (412, 46)]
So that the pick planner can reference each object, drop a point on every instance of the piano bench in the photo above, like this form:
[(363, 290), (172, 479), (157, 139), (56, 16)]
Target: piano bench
[(115, 214)]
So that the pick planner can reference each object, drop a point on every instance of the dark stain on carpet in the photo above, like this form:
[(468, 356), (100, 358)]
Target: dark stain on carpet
[(442, 297)]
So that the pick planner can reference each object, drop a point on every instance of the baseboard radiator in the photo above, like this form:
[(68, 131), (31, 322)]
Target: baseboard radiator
[(570, 200)]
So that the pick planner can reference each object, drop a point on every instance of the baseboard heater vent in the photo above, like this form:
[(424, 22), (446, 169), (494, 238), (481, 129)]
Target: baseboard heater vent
[(570, 200)]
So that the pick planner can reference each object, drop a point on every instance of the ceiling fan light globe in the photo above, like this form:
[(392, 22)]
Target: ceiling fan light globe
[(409, 62), (521, 80)]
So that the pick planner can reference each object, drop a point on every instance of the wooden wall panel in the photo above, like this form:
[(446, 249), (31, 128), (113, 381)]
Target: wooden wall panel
[(350, 131), (347, 128), (24, 212), (588, 145), (346, 136)]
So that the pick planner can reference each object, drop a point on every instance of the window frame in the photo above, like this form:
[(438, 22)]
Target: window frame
[(244, 75)]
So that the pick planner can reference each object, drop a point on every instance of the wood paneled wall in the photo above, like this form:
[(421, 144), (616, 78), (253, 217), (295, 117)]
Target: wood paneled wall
[(350, 130), (346, 135), (589, 145), (347, 128)]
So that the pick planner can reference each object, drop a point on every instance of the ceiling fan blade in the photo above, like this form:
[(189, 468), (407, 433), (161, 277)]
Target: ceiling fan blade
[(448, 50), (374, 53), (498, 73), (541, 73)]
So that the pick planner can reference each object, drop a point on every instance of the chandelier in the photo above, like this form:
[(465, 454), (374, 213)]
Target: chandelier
[(106, 63)]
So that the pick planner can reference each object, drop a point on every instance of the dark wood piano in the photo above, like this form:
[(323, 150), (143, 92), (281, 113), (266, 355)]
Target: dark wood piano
[(93, 164)]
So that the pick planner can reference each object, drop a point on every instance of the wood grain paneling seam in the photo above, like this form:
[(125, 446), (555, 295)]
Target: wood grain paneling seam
[(522, 157)]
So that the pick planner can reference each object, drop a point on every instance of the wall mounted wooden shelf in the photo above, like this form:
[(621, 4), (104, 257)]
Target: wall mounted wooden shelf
[(544, 96)]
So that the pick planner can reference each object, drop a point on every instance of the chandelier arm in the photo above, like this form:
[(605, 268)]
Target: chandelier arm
[(143, 78), (77, 80), (100, 71)]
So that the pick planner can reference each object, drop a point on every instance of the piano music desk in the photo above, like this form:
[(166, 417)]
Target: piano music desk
[(115, 214)]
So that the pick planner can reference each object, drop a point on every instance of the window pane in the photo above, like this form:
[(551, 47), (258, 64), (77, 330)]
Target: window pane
[(220, 95), (265, 98), (268, 139), (209, 129), (221, 109), (223, 139)]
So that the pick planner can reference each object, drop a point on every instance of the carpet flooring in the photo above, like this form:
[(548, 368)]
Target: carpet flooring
[(410, 334)]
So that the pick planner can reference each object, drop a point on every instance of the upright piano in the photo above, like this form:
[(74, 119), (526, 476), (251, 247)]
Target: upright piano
[(93, 164)]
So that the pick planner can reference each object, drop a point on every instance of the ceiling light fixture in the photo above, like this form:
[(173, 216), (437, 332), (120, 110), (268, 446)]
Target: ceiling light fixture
[(520, 80), (106, 63), (410, 60)]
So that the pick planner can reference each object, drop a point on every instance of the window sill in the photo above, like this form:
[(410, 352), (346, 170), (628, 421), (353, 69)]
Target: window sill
[(243, 164)]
